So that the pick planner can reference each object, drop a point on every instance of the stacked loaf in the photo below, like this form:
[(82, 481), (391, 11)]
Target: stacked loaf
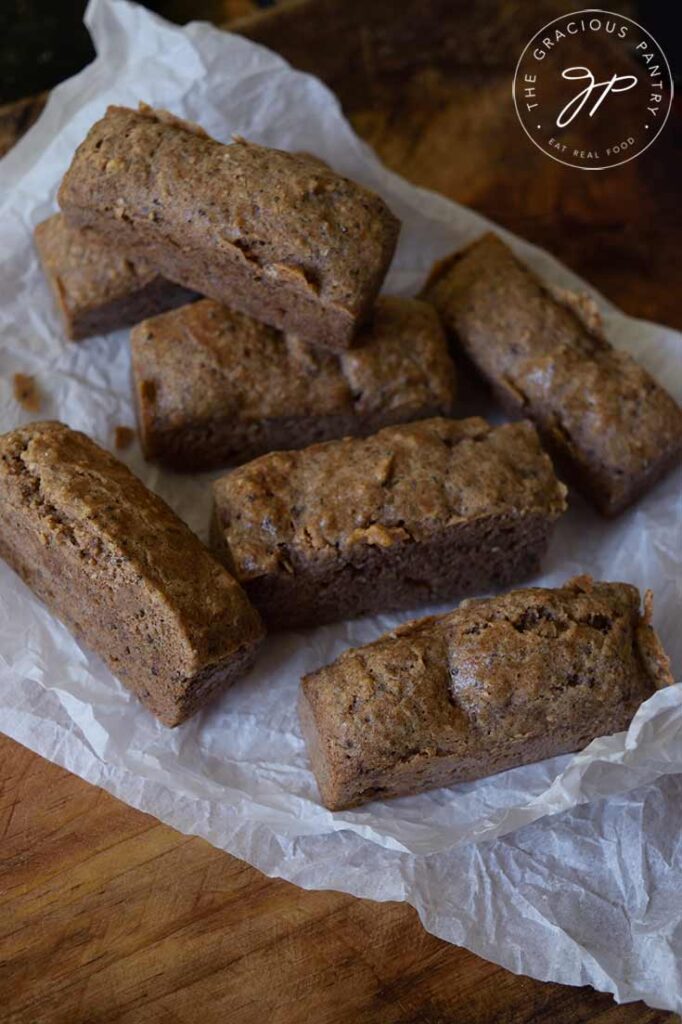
[(276, 235), (259, 340)]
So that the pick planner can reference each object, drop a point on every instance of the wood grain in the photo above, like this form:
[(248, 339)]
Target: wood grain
[(107, 915)]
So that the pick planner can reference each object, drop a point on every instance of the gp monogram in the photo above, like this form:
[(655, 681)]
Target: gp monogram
[(592, 89)]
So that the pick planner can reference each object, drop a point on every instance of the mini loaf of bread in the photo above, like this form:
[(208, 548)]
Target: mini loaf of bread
[(613, 429), (120, 569), (214, 387), (498, 682), (414, 514), (276, 235), (96, 288)]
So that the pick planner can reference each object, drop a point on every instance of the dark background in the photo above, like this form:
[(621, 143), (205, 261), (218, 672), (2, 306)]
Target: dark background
[(43, 42)]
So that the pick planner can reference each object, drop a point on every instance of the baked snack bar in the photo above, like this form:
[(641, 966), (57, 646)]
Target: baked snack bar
[(276, 235), (612, 428), (96, 288), (120, 569), (497, 683), (413, 514), (214, 386)]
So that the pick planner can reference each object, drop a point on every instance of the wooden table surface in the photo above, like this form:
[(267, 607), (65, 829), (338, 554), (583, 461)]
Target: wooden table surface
[(107, 915)]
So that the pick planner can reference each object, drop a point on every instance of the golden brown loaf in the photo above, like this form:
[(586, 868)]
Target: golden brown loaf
[(613, 429), (277, 235), (498, 682), (121, 570), (214, 386), (413, 514)]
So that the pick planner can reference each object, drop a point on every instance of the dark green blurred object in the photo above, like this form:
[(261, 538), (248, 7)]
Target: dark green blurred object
[(42, 42)]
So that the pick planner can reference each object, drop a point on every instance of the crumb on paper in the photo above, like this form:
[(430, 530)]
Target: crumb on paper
[(26, 392), (123, 438)]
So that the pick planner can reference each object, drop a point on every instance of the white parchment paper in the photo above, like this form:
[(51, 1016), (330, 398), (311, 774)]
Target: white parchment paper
[(593, 894)]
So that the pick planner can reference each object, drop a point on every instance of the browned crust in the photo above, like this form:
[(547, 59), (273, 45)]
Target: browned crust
[(411, 515), (214, 387), (118, 567), (650, 647), (612, 428), (318, 761), (496, 683), (276, 235), (96, 288)]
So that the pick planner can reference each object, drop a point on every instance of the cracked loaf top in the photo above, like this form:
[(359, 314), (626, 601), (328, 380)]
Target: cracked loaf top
[(602, 412), (206, 361), (405, 482), (493, 674), (289, 216)]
